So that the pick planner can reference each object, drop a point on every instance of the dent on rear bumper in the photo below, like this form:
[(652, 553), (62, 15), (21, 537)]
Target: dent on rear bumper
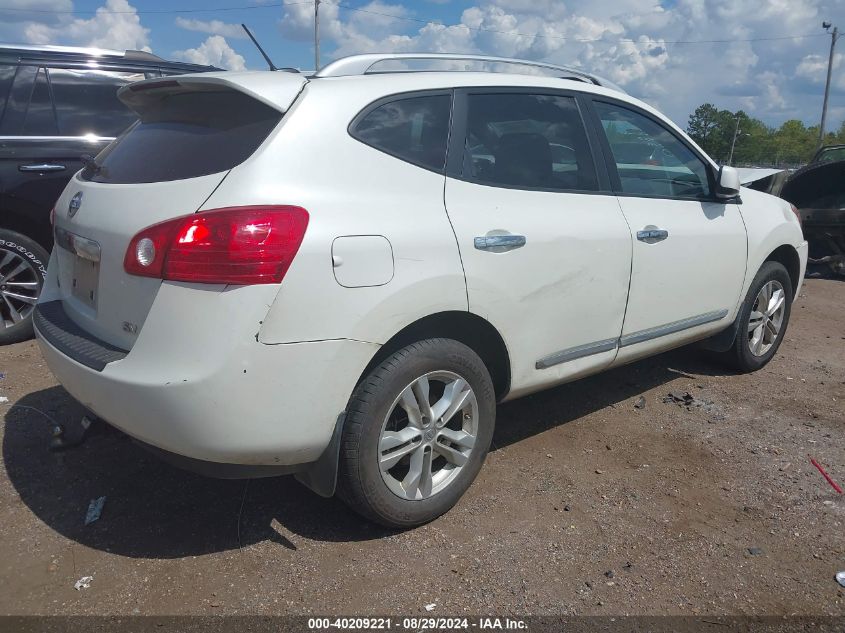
[(197, 383), (271, 405)]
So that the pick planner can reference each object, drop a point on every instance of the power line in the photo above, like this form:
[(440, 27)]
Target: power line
[(268, 5)]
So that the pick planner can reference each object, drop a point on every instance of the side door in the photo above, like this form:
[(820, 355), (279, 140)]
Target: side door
[(30, 178), (545, 248), (55, 115), (689, 248)]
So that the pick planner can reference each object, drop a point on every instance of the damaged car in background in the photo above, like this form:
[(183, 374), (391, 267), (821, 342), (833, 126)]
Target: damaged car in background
[(818, 192)]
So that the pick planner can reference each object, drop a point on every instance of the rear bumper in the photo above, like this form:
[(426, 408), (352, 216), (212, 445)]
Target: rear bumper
[(191, 387), (219, 470), (55, 326)]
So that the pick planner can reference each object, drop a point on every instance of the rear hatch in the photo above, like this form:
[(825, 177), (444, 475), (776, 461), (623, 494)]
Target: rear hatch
[(192, 131)]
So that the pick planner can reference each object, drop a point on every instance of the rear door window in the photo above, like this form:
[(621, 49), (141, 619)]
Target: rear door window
[(186, 135), (527, 141), (40, 117), (87, 103), (7, 74), (415, 129)]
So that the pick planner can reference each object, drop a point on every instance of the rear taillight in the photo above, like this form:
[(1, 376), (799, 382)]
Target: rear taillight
[(235, 245)]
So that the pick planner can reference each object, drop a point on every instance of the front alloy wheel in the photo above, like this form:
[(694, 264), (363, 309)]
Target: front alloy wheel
[(766, 318), (762, 319)]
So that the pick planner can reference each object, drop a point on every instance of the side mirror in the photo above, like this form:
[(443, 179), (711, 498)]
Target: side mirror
[(727, 182)]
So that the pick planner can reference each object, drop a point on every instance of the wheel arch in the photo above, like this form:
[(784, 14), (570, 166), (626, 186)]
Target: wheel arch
[(787, 255), (470, 329), (39, 232)]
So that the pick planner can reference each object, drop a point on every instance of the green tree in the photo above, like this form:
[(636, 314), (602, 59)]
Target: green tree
[(791, 144), (702, 123), (794, 143), (840, 135), (753, 143)]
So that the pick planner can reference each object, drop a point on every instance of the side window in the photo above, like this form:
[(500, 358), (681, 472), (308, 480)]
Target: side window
[(531, 141), (87, 103), (414, 129), (650, 159), (7, 73), (40, 115)]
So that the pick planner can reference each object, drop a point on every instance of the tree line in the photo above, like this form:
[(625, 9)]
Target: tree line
[(757, 144)]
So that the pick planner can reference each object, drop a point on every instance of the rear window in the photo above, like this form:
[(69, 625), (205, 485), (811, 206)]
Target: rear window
[(413, 129), (186, 135)]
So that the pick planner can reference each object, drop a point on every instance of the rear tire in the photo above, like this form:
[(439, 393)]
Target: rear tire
[(417, 430), (763, 318), (23, 269)]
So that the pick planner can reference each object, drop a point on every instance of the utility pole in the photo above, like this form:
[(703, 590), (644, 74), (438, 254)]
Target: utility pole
[(733, 142), (833, 37), (316, 35)]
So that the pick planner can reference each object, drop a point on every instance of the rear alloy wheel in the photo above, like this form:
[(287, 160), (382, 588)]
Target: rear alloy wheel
[(417, 430), (428, 435), (762, 319), (23, 268)]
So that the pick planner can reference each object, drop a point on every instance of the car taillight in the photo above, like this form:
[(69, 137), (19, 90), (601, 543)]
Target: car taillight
[(796, 212), (234, 245)]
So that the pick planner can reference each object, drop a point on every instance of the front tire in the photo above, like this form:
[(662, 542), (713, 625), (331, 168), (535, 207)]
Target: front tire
[(417, 430), (763, 318), (23, 269)]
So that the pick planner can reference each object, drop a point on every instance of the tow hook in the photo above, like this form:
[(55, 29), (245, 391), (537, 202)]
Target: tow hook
[(60, 442)]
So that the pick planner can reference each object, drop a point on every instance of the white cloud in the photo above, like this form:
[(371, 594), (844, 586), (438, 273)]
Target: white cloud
[(214, 51), (632, 42), (114, 25), (213, 27), (651, 48), (813, 69), (25, 11)]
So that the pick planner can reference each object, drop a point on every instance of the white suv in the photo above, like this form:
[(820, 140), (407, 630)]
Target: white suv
[(339, 276)]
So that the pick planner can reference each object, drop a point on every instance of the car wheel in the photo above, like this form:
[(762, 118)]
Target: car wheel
[(23, 269), (417, 430), (763, 318)]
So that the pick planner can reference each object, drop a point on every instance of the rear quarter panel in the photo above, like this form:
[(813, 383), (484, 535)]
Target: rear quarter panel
[(349, 189)]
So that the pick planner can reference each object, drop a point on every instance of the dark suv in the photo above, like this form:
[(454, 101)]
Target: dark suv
[(57, 104)]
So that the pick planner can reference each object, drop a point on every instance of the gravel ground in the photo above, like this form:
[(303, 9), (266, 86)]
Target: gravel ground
[(586, 505)]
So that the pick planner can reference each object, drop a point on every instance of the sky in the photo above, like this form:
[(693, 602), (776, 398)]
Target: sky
[(767, 57)]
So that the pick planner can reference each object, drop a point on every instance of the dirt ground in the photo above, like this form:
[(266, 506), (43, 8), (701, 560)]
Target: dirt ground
[(586, 505)]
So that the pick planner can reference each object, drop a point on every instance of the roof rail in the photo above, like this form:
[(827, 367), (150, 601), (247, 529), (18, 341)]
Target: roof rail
[(48, 48), (36, 50), (362, 65)]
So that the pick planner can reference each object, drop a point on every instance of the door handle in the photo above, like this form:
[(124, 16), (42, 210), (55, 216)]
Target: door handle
[(42, 167), (499, 243), (650, 236)]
